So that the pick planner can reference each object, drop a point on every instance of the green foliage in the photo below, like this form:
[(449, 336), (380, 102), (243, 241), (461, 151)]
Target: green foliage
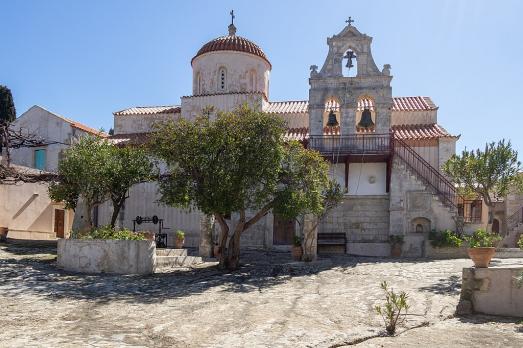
[(7, 106), (394, 311), (482, 239), (519, 281), (237, 162), (180, 234), (95, 171), (396, 239), (445, 238), (296, 241), (107, 232), (487, 173), (520, 242)]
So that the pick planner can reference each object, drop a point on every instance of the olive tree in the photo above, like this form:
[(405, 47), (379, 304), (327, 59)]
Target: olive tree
[(94, 171), (487, 173), (237, 163)]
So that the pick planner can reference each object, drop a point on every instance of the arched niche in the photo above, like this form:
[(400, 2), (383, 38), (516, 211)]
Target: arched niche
[(420, 225), (365, 109)]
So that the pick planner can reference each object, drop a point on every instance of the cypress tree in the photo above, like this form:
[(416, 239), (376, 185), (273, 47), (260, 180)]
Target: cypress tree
[(7, 105)]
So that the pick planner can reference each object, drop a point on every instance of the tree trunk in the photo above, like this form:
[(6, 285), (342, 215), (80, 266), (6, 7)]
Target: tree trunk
[(232, 261), (89, 215), (117, 205)]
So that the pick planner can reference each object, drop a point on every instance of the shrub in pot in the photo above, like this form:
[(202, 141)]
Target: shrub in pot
[(297, 251), (395, 245), (482, 247), (520, 241), (180, 239)]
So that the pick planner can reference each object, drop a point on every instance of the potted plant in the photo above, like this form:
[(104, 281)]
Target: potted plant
[(395, 245), (180, 239), (297, 251), (482, 247)]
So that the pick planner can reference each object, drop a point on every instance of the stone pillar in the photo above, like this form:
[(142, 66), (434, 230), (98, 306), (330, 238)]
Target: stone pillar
[(206, 228), (316, 120), (348, 120), (383, 116), (310, 242)]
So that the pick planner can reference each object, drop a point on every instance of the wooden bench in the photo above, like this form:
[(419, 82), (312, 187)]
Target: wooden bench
[(329, 241)]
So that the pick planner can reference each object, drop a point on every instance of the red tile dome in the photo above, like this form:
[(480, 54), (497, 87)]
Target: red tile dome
[(232, 43)]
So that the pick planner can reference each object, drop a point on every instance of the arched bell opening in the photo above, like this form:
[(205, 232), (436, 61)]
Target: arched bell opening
[(365, 115), (349, 62), (332, 116)]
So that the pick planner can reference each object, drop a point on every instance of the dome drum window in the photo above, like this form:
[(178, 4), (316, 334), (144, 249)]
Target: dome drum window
[(222, 80)]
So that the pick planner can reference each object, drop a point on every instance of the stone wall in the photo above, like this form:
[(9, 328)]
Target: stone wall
[(107, 256), (364, 219), (125, 124), (412, 201), (491, 291)]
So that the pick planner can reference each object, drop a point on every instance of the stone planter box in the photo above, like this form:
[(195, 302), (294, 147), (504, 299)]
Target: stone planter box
[(491, 291), (107, 256), (446, 252)]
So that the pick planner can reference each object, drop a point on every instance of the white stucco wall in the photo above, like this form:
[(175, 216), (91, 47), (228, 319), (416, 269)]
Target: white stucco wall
[(50, 128), (238, 66), (28, 212), (125, 124), (361, 175)]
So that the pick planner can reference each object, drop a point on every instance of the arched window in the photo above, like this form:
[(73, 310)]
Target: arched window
[(198, 83), (222, 80), (419, 228)]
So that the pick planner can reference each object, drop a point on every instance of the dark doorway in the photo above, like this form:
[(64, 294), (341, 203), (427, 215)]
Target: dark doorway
[(495, 226), (59, 223), (283, 231)]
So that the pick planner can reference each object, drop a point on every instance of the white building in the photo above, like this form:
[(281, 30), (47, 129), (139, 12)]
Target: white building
[(386, 151)]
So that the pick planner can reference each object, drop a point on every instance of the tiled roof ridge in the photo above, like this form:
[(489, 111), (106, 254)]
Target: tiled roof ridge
[(75, 124), (148, 110)]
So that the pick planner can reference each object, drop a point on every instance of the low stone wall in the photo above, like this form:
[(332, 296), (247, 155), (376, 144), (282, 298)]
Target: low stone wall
[(508, 253), (491, 291), (107, 256), (368, 249), (445, 252)]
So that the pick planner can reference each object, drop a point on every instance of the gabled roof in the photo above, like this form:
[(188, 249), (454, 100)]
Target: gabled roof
[(73, 123), (403, 132), (149, 110), (399, 104)]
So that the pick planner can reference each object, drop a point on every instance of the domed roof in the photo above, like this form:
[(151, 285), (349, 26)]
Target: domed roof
[(232, 42)]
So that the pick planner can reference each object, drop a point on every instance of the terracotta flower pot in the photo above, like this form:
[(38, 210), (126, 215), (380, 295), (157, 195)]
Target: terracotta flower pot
[(395, 250), (481, 256), (178, 243), (297, 253)]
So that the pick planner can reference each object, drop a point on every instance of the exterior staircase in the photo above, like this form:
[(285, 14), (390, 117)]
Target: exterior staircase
[(514, 229), (430, 176), (171, 258)]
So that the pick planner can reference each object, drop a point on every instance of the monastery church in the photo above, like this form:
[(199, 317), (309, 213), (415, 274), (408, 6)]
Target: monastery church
[(385, 151)]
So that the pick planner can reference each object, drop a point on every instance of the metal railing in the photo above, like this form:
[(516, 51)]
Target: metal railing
[(371, 144), (430, 175)]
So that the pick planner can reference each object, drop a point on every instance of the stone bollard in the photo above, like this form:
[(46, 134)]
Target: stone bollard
[(206, 228)]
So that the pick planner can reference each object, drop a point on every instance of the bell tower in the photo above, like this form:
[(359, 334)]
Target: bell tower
[(363, 100)]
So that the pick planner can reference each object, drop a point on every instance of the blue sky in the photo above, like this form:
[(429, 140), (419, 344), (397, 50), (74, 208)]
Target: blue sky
[(87, 59)]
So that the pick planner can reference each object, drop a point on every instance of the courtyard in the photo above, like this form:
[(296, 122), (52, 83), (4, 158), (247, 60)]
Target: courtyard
[(269, 302)]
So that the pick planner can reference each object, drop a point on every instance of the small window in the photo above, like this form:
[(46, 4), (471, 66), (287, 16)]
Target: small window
[(40, 159), (419, 228), (222, 79), (198, 83)]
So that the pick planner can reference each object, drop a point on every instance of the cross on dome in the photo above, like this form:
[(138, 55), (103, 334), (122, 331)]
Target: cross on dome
[(232, 28), (350, 21)]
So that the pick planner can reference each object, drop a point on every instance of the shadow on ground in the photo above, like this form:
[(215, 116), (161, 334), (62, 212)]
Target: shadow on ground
[(445, 286)]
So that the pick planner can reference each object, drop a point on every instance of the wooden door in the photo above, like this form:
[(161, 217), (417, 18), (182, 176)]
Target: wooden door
[(283, 231), (59, 222)]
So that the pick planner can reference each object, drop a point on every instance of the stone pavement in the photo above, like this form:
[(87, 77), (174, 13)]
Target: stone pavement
[(270, 302)]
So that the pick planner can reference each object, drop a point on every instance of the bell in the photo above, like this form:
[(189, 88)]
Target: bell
[(366, 119), (332, 121)]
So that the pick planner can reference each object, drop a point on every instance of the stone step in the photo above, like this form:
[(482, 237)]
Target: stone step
[(171, 252), (177, 261)]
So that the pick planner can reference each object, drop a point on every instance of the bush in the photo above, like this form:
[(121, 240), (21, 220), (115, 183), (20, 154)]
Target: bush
[(106, 232), (180, 234), (520, 242), (482, 239), (396, 240), (394, 311), (445, 238)]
